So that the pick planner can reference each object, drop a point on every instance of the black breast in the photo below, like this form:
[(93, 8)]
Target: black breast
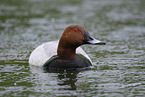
[(72, 63)]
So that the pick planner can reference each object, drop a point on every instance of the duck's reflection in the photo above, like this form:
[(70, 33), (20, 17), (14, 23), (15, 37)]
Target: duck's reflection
[(66, 79)]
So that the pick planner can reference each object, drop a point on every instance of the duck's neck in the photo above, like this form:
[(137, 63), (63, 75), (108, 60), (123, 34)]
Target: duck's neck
[(64, 52)]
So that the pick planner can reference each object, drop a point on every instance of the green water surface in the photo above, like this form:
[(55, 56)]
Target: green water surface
[(118, 67)]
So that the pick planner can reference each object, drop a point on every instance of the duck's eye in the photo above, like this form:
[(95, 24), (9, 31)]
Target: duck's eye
[(76, 30)]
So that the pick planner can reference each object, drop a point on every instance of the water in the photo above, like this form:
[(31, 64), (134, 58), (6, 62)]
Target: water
[(118, 67)]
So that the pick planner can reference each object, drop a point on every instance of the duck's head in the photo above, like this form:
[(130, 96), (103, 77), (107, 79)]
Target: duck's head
[(74, 36)]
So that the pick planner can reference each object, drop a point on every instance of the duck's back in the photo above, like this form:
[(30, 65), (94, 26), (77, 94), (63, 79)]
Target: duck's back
[(45, 51)]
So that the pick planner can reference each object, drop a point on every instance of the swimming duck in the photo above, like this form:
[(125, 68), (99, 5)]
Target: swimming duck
[(65, 53)]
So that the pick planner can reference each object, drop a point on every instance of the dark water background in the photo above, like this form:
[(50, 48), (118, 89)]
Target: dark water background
[(119, 66)]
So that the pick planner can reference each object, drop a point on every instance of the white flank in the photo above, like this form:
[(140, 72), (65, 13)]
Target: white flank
[(45, 51)]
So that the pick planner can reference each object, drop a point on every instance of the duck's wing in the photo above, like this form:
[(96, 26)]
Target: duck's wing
[(43, 52)]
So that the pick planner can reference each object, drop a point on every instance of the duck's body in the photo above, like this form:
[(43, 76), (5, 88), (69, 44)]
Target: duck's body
[(65, 53), (47, 50)]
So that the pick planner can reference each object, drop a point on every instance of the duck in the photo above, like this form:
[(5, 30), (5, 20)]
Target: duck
[(66, 53)]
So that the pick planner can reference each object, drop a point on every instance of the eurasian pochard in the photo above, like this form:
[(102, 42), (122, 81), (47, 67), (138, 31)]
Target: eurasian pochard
[(65, 53)]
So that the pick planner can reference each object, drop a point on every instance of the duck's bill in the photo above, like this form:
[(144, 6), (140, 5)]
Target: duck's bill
[(96, 42), (90, 40)]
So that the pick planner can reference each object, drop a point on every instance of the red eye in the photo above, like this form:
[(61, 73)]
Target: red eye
[(76, 30)]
